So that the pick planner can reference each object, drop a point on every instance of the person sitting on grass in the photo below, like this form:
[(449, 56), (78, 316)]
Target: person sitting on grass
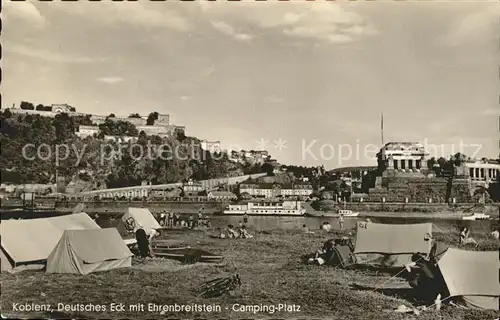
[(305, 229), (495, 234), (326, 226), (465, 238), (208, 224), (323, 254), (221, 233), (231, 233), (244, 233)]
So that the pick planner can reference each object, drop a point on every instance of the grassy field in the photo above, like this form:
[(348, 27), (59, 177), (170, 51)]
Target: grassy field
[(271, 272)]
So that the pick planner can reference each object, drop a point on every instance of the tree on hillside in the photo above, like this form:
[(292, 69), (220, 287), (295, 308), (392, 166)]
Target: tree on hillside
[(458, 159), (117, 128), (153, 116), (40, 107), (134, 115), (6, 114), (180, 136), (27, 105), (65, 127), (111, 115), (430, 163), (268, 168)]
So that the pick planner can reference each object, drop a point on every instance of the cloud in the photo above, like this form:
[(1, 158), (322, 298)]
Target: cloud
[(274, 99), (328, 22), (474, 26), (491, 112), (135, 13), (229, 30), (307, 32), (110, 80), (185, 98), (23, 10), (46, 55)]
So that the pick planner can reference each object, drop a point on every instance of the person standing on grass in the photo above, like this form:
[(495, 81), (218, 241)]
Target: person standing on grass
[(177, 219), (162, 218), (245, 218), (341, 221), (170, 219), (143, 243)]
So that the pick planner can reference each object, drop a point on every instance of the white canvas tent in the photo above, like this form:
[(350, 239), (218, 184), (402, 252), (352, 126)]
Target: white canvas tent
[(30, 241), (391, 245), (473, 276), (136, 218), (91, 250)]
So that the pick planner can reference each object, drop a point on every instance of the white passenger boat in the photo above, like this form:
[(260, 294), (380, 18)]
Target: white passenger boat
[(266, 208), (476, 216)]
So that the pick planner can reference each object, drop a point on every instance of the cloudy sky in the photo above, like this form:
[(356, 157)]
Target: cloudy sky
[(303, 79)]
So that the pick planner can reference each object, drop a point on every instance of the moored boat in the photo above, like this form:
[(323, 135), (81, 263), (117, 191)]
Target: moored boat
[(266, 208), (476, 216), (342, 212)]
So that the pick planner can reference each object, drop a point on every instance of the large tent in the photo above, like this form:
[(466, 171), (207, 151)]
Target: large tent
[(473, 276), (30, 241), (136, 218), (91, 250), (391, 245)]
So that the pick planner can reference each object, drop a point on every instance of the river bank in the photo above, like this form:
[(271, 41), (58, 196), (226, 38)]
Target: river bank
[(405, 215), (271, 271)]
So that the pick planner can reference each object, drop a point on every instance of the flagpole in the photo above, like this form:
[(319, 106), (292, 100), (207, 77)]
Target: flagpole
[(382, 128)]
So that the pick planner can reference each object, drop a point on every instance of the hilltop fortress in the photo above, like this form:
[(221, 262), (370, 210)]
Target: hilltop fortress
[(160, 127)]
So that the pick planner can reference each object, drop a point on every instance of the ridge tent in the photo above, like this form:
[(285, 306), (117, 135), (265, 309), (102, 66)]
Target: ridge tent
[(473, 276), (391, 245), (91, 250), (136, 218), (30, 241)]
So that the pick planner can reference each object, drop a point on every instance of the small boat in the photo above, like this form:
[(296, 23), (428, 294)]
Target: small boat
[(348, 213), (342, 212), (187, 255), (476, 216)]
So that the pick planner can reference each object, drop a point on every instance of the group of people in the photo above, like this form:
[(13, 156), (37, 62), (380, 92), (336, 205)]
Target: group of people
[(170, 220), (236, 233), (326, 226)]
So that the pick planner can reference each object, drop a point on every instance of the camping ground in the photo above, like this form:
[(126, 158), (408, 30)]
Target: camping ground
[(271, 272)]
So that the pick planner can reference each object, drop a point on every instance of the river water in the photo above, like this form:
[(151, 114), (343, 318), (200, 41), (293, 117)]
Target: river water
[(263, 223)]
